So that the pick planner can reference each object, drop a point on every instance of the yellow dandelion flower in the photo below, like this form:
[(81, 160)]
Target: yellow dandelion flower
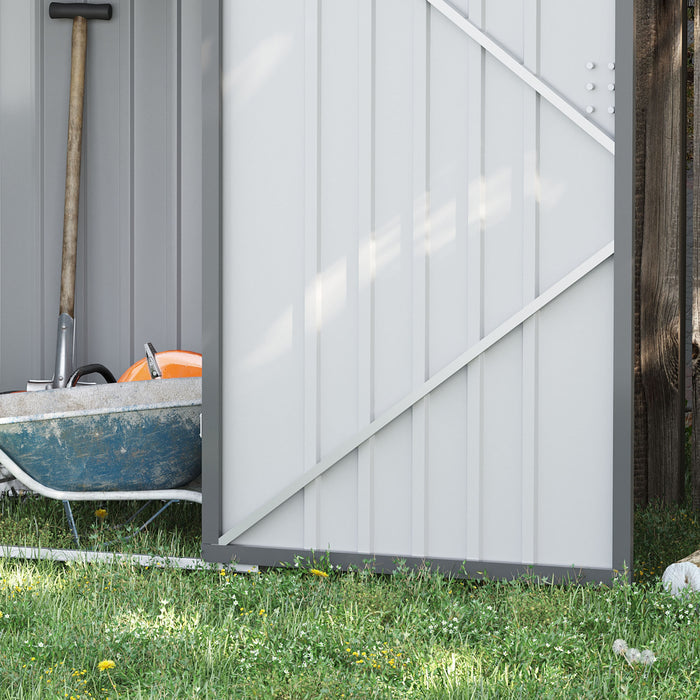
[(101, 513), (106, 665), (318, 572)]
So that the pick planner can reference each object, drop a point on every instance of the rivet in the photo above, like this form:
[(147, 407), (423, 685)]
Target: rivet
[(611, 86), (611, 65), (590, 65), (590, 109), (611, 110), (590, 86)]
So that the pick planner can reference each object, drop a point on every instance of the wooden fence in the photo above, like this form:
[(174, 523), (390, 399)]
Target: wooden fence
[(667, 115)]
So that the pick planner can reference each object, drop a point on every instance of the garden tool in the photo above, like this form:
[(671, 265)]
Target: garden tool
[(80, 13)]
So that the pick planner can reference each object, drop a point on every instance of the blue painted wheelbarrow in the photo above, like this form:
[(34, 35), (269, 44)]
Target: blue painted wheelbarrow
[(127, 441), (132, 436)]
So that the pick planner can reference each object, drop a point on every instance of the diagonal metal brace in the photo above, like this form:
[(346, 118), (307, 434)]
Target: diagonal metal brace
[(405, 404), (528, 77)]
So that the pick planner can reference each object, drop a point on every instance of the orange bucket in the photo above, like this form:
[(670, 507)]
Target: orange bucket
[(173, 364)]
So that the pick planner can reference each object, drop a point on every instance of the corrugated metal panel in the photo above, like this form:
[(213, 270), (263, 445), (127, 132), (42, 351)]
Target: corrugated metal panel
[(21, 267), (394, 195), (139, 265)]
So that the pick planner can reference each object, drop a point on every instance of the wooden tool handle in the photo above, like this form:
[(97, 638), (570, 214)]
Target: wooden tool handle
[(75, 138)]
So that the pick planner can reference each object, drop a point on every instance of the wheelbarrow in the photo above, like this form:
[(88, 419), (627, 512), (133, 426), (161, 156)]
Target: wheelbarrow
[(128, 441), (131, 440)]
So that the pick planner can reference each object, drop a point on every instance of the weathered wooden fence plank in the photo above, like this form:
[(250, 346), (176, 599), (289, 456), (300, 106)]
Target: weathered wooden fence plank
[(660, 250), (696, 282)]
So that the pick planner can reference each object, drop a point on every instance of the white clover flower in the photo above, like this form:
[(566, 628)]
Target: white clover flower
[(647, 657), (633, 655), (619, 646), (681, 575)]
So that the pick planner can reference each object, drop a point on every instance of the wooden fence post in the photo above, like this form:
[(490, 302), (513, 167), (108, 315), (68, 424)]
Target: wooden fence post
[(660, 250), (695, 452)]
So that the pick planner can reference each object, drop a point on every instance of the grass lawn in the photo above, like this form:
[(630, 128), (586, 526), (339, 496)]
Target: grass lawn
[(297, 634)]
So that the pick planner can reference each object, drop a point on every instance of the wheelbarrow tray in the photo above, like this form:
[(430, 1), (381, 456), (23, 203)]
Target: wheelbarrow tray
[(132, 436)]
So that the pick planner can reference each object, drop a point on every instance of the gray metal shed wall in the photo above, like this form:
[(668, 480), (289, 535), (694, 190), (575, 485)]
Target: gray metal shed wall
[(139, 266)]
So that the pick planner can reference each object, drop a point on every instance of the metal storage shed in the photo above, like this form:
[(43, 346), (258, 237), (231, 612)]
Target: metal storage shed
[(418, 299), (409, 226)]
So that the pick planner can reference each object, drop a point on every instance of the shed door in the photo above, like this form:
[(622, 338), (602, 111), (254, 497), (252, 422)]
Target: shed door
[(418, 282)]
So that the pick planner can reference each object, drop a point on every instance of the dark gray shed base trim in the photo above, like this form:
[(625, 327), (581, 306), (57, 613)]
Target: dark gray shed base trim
[(384, 564)]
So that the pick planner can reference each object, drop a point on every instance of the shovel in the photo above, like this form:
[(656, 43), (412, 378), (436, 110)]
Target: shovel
[(80, 13)]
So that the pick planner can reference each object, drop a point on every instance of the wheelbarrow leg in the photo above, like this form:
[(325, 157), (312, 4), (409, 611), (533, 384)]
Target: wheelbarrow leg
[(153, 517), (71, 521), (150, 520), (141, 527)]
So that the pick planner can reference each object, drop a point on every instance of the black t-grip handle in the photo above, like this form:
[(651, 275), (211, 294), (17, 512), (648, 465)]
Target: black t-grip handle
[(91, 369), (71, 10)]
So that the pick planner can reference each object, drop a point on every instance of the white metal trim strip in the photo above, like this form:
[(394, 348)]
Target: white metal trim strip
[(147, 560), (476, 228), (421, 247), (365, 300), (531, 281), (313, 284), (402, 406), (528, 77)]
